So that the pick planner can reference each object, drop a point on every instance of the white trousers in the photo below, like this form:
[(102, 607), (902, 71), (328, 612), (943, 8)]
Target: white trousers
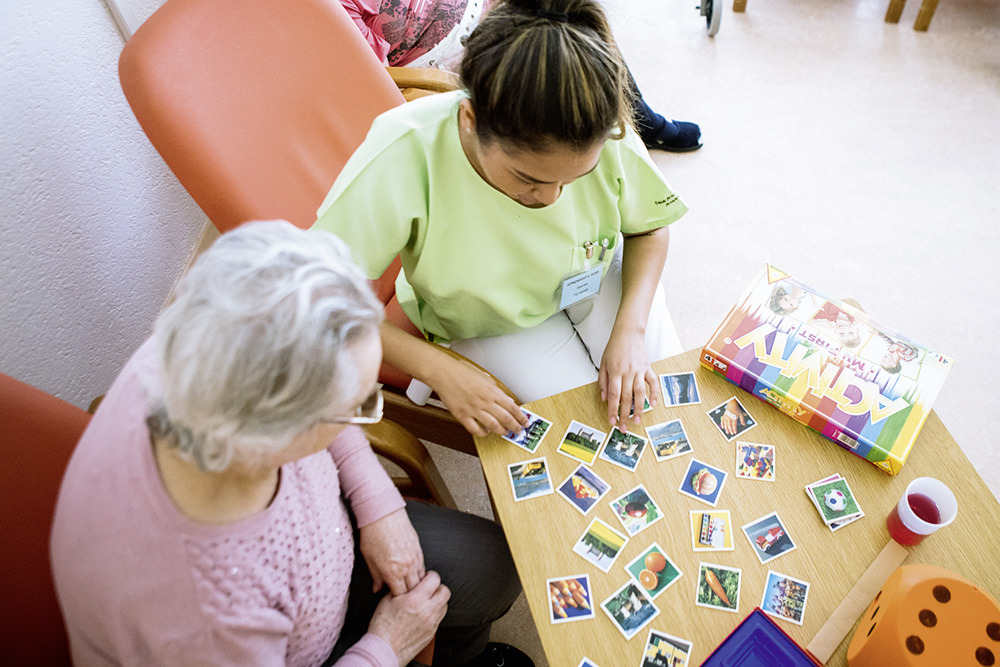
[(565, 351)]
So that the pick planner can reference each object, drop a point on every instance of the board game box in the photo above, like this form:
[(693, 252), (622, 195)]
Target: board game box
[(830, 366)]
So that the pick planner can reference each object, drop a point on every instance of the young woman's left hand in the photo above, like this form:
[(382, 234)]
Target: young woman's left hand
[(626, 379), (392, 551)]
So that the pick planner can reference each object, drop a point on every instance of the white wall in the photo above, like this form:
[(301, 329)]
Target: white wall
[(94, 229)]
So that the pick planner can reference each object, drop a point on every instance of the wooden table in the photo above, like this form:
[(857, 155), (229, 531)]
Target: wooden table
[(542, 531)]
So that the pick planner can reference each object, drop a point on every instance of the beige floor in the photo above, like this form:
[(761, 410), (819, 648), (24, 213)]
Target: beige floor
[(861, 156)]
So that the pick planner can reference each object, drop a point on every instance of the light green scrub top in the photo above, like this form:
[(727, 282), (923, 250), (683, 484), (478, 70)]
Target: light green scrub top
[(475, 262)]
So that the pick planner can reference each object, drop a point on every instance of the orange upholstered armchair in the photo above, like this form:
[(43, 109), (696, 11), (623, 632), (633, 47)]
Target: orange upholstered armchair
[(256, 108)]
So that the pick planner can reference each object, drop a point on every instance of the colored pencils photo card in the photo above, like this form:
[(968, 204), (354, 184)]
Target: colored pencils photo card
[(653, 570), (755, 461), (718, 587), (583, 489), (570, 598), (581, 442), (785, 597), (731, 418), (663, 650), (630, 609), (668, 440), (711, 530), (768, 537), (636, 510), (623, 449), (600, 545), (703, 482), (529, 479), (531, 437), (679, 389)]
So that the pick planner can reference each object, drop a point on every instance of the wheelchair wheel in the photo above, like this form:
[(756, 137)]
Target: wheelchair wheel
[(712, 11)]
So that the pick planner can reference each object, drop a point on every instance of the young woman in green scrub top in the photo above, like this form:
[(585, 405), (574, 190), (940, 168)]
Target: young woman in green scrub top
[(531, 223)]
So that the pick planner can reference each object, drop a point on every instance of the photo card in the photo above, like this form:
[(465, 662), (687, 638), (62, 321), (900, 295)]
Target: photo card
[(623, 449), (718, 587), (570, 598), (755, 461), (583, 489), (784, 597), (663, 650), (680, 389), (529, 479), (531, 436), (703, 482), (731, 418), (629, 609), (600, 545), (587, 662), (581, 442), (768, 537), (834, 500), (653, 570), (839, 523), (711, 530), (668, 440), (636, 510)]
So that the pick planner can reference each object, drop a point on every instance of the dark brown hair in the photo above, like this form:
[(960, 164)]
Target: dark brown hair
[(546, 71)]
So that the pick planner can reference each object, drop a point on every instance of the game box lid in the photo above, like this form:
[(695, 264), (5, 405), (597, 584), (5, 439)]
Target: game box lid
[(759, 642)]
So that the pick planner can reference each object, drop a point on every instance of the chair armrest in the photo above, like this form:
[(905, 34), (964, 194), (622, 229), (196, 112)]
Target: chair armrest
[(399, 446), (424, 78)]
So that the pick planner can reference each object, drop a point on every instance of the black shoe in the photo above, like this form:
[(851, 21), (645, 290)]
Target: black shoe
[(500, 655), (675, 137)]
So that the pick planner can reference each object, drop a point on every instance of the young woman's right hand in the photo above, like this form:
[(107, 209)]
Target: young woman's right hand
[(475, 400), (408, 621)]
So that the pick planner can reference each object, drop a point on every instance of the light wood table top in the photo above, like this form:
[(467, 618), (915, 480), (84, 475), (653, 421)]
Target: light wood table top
[(543, 530)]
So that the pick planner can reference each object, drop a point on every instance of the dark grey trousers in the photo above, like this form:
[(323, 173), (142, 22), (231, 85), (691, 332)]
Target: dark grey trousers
[(472, 557)]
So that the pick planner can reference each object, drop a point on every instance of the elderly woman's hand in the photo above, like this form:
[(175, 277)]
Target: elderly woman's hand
[(408, 621), (392, 551)]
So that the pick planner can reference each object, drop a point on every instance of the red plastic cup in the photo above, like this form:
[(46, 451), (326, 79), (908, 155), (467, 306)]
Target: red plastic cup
[(926, 506)]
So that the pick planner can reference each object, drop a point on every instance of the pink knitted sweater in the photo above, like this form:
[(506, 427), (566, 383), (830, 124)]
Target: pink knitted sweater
[(139, 583)]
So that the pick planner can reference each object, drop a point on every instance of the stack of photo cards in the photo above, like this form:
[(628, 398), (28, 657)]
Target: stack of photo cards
[(630, 609), (654, 570), (623, 449), (768, 537), (636, 510), (583, 489), (529, 479), (570, 598), (581, 442), (600, 545), (784, 597), (711, 530), (663, 650), (531, 436), (834, 501), (668, 440)]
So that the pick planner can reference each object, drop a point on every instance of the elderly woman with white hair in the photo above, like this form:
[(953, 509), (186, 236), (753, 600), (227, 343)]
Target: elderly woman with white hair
[(216, 508)]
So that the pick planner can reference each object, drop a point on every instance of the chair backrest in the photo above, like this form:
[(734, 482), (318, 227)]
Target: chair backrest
[(255, 106), (37, 435)]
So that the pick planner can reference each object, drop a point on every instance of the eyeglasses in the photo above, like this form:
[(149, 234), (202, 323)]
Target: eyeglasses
[(369, 412)]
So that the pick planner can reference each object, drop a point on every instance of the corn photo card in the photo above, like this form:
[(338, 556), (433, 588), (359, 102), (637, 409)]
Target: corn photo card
[(755, 461), (583, 488), (636, 510), (768, 537), (570, 598), (529, 479), (711, 530), (679, 389), (600, 545), (703, 482), (731, 418), (623, 449), (718, 587), (531, 437), (663, 650), (629, 609), (834, 500), (581, 442), (668, 440), (653, 570), (784, 597)]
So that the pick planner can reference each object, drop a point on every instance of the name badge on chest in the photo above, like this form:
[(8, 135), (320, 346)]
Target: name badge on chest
[(580, 286)]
